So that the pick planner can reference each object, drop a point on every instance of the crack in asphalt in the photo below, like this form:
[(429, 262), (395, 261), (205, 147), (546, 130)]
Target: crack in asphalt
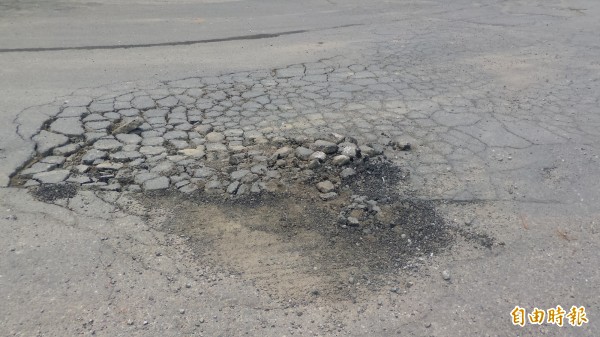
[(172, 44)]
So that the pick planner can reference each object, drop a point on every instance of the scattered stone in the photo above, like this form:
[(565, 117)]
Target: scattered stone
[(328, 196), (52, 177), (325, 146), (318, 155), (37, 168), (109, 166), (92, 155), (198, 152), (325, 186), (233, 187), (446, 275), (215, 137), (152, 150), (46, 141), (58, 160), (340, 160), (108, 145), (125, 156), (203, 129), (66, 149), (233, 133), (67, 126), (176, 134), (303, 153), (80, 179), (31, 182), (128, 138), (282, 152), (159, 183), (216, 147), (352, 221), (347, 172), (348, 149), (237, 175)]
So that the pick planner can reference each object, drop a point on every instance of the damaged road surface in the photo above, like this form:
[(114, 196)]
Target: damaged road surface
[(299, 169)]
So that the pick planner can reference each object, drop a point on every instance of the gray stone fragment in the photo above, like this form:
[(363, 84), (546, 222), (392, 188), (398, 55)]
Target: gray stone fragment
[(93, 118), (52, 177), (324, 146), (181, 183), (259, 169), (377, 149), (58, 160), (165, 168), (176, 134), (128, 138), (109, 166), (203, 129), (367, 151), (282, 152), (446, 275), (46, 141), (318, 155), (216, 147), (92, 155), (159, 183), (67, 126), (303, 153), (348, 149), (141, 177), (153, 141), (66, 149), (31, 182), (257, 187), (325, 186), (336, 137), (347, 172), (99, 125), (204, 172), (233, 133), (243, 189), (79, 179), (179, 144), (352, 221), (152, 150), (91, 137), (313, 164), (124, 156), (215, 137), (37, 168), (328, 196), (233, 187), (143, 102), (198, 152), (184, 126), (213, 186), (108, 145), (128, 125), (340, 160), (189, 188), (82, 168), (237, 175)]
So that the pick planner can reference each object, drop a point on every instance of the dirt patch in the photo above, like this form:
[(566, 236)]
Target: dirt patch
[(292, 245)]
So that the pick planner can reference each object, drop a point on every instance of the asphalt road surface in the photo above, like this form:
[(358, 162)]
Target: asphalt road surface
[(499, 102)]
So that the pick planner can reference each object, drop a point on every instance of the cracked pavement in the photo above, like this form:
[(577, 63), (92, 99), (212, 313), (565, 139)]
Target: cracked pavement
[(499, 102)]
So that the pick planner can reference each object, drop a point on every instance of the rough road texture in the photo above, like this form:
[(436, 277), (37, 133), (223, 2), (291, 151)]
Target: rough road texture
[(196, 206)]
